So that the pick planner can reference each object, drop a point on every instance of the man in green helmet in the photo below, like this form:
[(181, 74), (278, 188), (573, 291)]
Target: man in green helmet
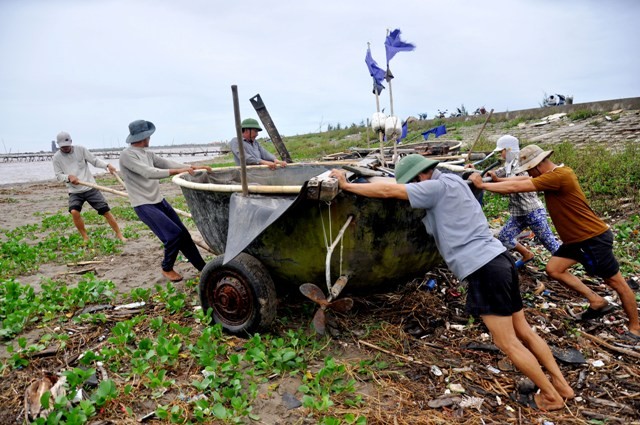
[(254, 154), (455, 220)]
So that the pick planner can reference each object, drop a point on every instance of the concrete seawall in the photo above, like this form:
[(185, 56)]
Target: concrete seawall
[(606, 127)]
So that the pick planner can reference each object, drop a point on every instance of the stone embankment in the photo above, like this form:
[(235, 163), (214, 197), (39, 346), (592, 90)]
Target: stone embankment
[(617, 123)]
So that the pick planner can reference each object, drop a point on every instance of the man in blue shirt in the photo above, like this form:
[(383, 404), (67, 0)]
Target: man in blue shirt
[(455, 220), (254, 154)]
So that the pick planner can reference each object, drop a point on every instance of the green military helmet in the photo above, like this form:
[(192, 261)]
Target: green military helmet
[(412, 165), (250, 123)]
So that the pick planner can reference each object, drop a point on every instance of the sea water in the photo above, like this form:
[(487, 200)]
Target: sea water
[(37, 171)]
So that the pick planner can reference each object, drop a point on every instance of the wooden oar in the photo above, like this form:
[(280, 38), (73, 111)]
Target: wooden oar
[(126, 195)]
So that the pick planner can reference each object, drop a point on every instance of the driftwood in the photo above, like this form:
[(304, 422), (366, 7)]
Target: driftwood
[(84, 263), (81, 271), (611, 347), (623, 408), (391, 353)]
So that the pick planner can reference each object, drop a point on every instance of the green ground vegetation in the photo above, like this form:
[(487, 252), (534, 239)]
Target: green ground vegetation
[(143, 354)]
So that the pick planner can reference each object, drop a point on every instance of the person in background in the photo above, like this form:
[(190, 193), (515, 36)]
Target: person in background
[(525, 208), (254, 154), (586, 239), (142, 170), (455, 220), (70, 165)]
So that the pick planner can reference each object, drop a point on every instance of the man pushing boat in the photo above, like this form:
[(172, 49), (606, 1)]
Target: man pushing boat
[(455, 220)]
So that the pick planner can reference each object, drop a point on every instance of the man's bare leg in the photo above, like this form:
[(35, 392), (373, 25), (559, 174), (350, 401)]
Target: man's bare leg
[(628, 300), (504, 336), (557, 268), (543, 353), (79, 223), (114, 225)]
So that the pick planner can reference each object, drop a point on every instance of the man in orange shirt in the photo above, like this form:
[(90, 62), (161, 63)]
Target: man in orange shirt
[(586, 239)]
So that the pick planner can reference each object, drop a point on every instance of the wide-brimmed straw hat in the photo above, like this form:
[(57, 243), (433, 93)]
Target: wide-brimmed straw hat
[(140, 130), (531, 156)]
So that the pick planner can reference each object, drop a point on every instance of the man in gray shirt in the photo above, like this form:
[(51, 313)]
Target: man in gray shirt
[(70, 166), (142, 170), (455, 220), (254, 154)]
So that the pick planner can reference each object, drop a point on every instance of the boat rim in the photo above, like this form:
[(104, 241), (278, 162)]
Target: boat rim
[(269, 189)]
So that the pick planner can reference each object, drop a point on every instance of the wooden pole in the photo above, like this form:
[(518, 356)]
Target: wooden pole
[(243, 165), (394, 158), (481, 130), (117, 176)]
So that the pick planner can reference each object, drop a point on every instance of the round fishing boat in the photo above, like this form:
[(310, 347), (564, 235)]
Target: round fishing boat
[(286, 233)]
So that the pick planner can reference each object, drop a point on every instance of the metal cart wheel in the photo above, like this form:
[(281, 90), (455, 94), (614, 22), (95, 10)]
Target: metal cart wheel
[(241, 294)]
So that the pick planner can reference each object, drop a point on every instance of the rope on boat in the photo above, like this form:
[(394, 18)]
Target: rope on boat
[(330, 251)]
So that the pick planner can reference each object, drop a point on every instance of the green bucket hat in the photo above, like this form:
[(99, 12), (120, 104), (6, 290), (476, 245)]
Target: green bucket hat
[(412, 165), (250, 123)]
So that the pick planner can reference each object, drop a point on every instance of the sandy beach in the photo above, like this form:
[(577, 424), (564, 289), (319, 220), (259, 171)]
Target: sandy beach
[(138, 265)]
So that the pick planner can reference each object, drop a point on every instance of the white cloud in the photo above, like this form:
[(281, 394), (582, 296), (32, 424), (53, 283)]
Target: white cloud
[(91, 67)]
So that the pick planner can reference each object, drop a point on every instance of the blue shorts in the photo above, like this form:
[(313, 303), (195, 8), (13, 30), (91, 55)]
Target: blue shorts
[(94, 197), (494, 289), (595, 255)]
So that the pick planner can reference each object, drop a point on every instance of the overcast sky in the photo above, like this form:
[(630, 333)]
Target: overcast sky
[(91, 67)]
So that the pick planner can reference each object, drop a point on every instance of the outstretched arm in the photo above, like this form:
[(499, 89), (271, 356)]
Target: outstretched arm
[(371, 190), (504, 186)]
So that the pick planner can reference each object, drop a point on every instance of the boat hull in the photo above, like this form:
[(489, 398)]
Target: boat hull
[(384, 244)]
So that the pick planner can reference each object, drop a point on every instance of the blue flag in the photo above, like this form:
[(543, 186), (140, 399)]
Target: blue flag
[(437, 131), (377, 87), (393, 45), (375, 71), (405, 128)]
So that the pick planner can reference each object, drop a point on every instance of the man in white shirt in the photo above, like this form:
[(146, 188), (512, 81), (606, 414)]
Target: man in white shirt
[(70, 166)]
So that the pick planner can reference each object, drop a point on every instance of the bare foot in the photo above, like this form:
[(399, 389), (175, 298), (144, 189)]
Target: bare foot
[(564, 390), (602, 303), (122, 238), (548, 403)]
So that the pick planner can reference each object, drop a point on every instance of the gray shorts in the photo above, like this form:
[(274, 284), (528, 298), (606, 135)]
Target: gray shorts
[(94, 197)]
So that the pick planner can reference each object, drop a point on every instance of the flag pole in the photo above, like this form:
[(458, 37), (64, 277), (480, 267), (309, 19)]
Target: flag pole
[(378, 111), (389, 78), (380, 136), (393, 44), (395, 136)]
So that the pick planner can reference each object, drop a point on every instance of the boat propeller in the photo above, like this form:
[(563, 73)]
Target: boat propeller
[(316, 295)]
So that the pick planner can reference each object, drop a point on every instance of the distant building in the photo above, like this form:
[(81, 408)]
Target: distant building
[(54, 148)]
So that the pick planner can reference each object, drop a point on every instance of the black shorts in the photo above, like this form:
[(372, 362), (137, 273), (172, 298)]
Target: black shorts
[(494, 288), (595, 255), (94, 197)]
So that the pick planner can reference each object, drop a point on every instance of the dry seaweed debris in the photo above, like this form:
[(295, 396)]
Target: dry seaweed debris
[(441, 365), (446, 360)]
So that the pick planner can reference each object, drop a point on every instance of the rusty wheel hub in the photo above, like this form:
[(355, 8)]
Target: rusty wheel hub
[(232, 301)]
